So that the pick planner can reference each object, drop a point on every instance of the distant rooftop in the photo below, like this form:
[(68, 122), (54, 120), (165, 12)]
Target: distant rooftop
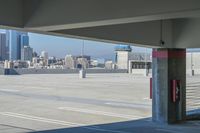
[(190, 50), (123, 48)]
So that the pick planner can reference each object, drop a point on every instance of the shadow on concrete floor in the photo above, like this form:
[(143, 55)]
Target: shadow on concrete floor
[(134, 126), (193, 114)]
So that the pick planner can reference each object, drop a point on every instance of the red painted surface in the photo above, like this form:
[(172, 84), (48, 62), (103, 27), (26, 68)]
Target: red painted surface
[(151, 88), (174, 90), (169, 54)]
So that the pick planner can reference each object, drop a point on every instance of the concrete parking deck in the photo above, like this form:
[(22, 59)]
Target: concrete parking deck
[(116, 103)]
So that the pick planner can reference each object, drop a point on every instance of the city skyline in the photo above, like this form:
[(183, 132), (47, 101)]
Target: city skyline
[(12, 43), (61, 46)]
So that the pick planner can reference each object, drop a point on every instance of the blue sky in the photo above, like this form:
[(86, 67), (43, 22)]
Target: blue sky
[(60, 46)]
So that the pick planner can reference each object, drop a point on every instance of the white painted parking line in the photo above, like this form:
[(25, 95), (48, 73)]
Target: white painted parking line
[(29, 117), (147, 98), (39, 88), (95, 112), (31, 87), (167, 130), (58, 122), (128, 105), (9, 90)]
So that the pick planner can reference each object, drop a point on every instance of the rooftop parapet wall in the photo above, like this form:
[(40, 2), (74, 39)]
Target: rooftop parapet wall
[(61, 71)]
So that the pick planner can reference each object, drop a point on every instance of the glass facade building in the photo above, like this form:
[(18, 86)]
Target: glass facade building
[(3, 47), (15, 42)]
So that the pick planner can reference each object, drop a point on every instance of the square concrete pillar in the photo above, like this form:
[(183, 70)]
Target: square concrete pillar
[(168, 65)]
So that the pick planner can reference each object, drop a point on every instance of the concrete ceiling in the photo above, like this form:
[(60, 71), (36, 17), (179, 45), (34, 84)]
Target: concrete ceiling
[(141, 22)]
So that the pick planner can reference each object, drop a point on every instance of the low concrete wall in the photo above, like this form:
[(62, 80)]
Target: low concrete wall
[(59, 71), (2, 71), (196, 72), (106, 70), (43, 71), (140, 71)]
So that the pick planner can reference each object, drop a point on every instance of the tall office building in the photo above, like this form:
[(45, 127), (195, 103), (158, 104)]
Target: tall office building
[(82, 63), (16, 41), (44, 56), (24, 40), (70, 62), (26, 53), (3, 47), (35, 54)]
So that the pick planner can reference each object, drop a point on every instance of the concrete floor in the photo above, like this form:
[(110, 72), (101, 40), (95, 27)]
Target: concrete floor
[(110, 103)]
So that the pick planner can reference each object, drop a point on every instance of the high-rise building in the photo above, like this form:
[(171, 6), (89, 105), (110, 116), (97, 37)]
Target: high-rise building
[(3, 47), (15, 41), (35, 54), (35, 60), (52, 60), (84, 56), (12, 40), (45, 57), (24, 40), (70, 62), (82, 63), (44, 54), (26, 53)]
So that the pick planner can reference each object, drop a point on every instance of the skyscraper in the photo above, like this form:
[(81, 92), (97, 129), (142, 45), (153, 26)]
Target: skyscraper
[(44, 56), (2, 46), (12, 41), (70, 62), (15, 41), (24, 40), (26, 53)]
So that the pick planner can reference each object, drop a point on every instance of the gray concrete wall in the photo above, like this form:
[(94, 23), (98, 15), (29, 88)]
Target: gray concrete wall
[(43, 71), (107, 71), (61, 71), (1, 71), (140, 71)]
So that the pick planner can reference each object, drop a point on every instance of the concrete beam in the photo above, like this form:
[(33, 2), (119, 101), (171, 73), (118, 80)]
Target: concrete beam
[(186, 33), (135, 22), (11, 13), (141, 33), (176, 33), (52, 15)]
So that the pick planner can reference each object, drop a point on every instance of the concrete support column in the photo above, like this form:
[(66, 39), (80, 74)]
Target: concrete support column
[(130, 67), (168, 65)]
